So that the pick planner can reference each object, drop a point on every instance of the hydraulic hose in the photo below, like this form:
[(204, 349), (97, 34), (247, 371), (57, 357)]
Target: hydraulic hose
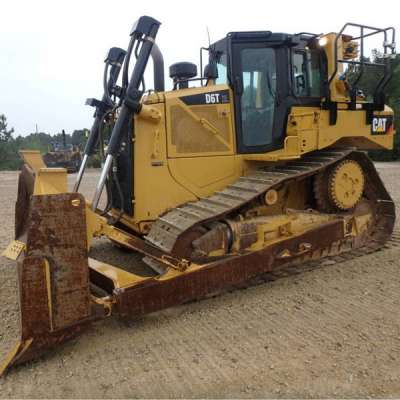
[(145, 30), (115, 58)]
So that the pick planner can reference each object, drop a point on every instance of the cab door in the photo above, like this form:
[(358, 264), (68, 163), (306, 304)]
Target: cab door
[(259, 72)]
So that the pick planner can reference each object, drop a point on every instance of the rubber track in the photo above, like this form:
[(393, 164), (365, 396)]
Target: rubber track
[(171, 227)]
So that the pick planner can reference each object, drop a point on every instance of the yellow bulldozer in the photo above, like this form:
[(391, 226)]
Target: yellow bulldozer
[(63, 155), (256, 163)]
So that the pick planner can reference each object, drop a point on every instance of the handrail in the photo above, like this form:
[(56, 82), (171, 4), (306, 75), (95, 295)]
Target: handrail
[(386, 45)]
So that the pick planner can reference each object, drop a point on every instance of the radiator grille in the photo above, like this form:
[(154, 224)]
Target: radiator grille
[(190, 136)]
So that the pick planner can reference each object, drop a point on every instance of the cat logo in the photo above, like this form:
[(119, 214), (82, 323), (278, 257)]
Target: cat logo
[(381, 125)]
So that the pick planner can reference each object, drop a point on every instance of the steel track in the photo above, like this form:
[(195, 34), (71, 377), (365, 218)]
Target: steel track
[(169, 231), (288, 271)]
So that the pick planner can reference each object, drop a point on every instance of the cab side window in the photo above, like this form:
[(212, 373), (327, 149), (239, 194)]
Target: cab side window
[(222, 69), (306, 73)]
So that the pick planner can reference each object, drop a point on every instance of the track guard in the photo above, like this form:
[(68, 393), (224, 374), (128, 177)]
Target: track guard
[(53, 276)]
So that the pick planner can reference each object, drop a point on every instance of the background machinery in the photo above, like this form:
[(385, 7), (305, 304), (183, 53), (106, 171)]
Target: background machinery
[(63, 155), (254, 165)]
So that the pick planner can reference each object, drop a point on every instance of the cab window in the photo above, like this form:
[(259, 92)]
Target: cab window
[(258, 97), (222, 69), (306, 73)]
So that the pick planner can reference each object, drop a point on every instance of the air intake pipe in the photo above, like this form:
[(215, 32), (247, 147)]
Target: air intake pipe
[(158, 68)]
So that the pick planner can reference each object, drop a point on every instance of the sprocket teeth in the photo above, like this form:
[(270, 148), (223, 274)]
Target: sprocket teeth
[(320, 192), (347, 175), (328, 186)]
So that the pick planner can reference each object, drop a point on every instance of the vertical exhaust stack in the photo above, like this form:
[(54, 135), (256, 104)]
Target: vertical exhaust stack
[(143, 33)]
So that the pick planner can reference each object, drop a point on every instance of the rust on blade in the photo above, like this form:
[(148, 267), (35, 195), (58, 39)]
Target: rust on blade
[(26, 182), (58, 234), (53, 276)]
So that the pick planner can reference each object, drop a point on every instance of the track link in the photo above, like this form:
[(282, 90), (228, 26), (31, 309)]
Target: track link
[(167, 231), (170, 227)]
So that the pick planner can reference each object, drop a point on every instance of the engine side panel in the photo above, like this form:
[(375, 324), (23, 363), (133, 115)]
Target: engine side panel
[(155, 189), (201, 138)]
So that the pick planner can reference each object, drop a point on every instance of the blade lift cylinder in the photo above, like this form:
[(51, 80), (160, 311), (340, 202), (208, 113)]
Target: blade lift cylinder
[(115, 58), (144, 31)]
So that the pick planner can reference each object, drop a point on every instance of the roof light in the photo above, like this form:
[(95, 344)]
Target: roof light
[(323, 41)]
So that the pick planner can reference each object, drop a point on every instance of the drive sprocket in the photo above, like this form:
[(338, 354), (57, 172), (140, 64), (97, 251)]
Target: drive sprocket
[(346, 184), (340, 187)]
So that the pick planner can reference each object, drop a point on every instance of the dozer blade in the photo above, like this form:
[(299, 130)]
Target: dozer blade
[(53, 273)]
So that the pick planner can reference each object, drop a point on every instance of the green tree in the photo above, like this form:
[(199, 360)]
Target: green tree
[(79, 137), (5, 134), (7, 145)]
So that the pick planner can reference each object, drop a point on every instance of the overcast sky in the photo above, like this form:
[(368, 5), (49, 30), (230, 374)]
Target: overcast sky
[(52, 51)]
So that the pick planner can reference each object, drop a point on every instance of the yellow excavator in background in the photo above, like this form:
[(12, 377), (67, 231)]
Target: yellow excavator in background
[(253, 165)]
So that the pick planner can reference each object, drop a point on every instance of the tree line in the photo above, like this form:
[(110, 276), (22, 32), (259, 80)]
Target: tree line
[(10, 145)]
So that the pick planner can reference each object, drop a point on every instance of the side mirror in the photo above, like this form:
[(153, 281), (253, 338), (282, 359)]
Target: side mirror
[(211, 71)]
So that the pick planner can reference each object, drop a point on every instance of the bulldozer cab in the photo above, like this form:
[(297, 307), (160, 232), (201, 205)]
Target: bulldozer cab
[(269, 73), (272, 72), (61, 147)]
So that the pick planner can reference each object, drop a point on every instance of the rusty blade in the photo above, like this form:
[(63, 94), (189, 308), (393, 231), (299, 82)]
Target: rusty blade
[(53, 276), (26, 181)]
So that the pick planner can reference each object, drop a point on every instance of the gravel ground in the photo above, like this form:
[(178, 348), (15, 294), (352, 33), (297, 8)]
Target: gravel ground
[(329, 332)]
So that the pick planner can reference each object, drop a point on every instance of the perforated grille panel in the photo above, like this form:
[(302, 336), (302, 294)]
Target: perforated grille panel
[(191, 136)]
